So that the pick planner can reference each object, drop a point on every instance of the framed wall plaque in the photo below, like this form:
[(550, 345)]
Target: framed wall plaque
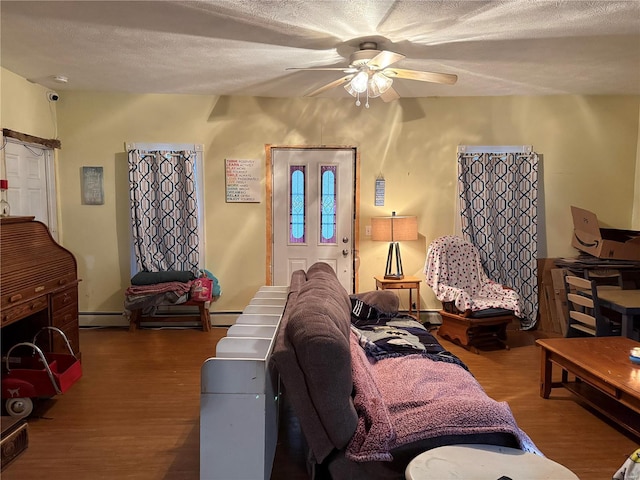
[(242, 179), (92, 186)]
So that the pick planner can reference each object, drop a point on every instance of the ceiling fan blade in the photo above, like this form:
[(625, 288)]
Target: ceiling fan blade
[(336, 69), (389, 95), (384, 59), (447, 78), (335, 83)]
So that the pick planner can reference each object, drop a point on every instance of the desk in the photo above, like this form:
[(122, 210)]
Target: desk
[(404, 283), (38, 286), (626, 302), (610, 383)]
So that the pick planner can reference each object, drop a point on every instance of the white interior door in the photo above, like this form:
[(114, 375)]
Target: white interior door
[(31, 182), (313, 211)]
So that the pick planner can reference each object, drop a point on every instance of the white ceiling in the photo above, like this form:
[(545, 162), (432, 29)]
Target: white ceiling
[(242, 47)]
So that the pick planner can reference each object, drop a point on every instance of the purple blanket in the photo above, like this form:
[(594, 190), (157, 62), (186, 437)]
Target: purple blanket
[(403, 400)]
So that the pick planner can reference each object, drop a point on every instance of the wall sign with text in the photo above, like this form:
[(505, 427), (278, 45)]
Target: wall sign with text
[(92, 186), (379, 200), (242, 178)]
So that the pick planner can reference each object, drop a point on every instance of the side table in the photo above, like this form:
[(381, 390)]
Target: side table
[(409, 283)]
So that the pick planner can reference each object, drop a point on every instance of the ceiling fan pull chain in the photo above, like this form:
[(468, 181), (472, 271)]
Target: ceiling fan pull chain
[(366, 105), (358, 100)]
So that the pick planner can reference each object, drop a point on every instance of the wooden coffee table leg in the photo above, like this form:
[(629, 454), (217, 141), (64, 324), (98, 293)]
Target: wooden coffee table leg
[(545, 373)]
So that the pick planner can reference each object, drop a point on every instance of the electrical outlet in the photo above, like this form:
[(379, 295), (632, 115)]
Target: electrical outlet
[(367, 230)]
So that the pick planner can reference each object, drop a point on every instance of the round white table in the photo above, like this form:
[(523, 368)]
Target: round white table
[(484, 462)]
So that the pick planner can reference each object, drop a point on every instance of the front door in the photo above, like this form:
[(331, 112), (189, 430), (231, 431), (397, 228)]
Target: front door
[(313, 211)]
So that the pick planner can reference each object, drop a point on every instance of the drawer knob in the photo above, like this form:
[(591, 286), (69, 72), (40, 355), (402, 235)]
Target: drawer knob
[(16, 297), (39, 289)]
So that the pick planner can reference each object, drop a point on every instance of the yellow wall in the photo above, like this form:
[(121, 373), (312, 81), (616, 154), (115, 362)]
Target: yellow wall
[(24, 108), (635, 222), (588, 145)]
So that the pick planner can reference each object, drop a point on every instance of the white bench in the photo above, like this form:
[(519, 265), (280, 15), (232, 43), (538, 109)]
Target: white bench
[(239, 395)]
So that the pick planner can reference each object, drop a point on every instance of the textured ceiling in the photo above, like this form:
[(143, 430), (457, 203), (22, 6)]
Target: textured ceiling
[(242, 47)]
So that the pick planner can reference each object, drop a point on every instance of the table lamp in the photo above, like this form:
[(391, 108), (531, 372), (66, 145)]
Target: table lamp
[(394, 229)]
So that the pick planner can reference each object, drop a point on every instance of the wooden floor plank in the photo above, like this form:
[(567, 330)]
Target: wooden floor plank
[(135, 412)]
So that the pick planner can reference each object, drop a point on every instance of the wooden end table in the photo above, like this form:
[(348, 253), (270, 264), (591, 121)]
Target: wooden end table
[(605, 378), (405, 283)]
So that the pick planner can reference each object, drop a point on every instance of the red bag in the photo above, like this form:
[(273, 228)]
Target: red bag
[(201, 289)]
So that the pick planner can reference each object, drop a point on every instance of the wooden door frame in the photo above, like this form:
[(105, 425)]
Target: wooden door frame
[(269, 201), (49, 154)]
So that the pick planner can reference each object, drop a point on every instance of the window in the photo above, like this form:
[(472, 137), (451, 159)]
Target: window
[(166, 205), (297, 204), (328, 204)]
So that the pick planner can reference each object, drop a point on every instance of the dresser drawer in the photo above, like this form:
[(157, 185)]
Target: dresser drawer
[(12, 314), (73, 335), (12, 295), (64, 299), (61, 317)]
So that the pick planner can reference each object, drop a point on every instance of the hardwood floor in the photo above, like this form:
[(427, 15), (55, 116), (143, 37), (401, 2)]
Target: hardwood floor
[(135, 412)]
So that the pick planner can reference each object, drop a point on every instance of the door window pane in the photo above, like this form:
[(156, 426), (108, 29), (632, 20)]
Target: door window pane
[(297, 204), (328, 204)]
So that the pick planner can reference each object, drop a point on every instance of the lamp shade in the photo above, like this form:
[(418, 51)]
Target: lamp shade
[(395, 228)]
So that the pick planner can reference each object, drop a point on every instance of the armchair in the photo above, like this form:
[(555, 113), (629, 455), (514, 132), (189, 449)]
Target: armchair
[(475, 309)]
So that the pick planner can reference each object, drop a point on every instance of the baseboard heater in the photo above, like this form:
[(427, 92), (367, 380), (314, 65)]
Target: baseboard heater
[(239, 394), (118, 319)]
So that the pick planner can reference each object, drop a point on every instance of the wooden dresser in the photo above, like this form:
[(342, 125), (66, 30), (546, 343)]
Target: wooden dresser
[(38, 286)]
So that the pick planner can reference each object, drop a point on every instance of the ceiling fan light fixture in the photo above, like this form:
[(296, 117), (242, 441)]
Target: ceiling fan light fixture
[(349, 88), (369, 83), (360, 82), (378, 84)]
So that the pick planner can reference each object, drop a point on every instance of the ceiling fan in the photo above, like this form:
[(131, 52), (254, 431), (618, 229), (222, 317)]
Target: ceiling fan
[(369, 73)]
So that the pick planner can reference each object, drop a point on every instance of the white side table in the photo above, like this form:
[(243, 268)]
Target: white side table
[(484, 462)]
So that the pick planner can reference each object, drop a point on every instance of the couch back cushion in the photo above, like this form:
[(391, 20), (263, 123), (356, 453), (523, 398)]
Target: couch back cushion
[(313, 357)]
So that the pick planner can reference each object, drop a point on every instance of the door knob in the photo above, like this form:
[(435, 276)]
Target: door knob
[(345, 252), (345, 240)]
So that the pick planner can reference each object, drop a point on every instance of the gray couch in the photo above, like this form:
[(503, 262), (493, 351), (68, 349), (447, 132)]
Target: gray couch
[(313, 357)]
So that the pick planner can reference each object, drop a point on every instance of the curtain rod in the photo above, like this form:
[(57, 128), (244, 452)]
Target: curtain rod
[(128, 146), (495, 148), (153, 152)]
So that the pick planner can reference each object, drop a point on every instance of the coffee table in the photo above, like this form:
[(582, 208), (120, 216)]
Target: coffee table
[(605, 378)]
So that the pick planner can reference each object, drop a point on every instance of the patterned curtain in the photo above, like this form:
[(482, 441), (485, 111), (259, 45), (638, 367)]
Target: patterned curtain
[(498, 205), (164, 210)]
